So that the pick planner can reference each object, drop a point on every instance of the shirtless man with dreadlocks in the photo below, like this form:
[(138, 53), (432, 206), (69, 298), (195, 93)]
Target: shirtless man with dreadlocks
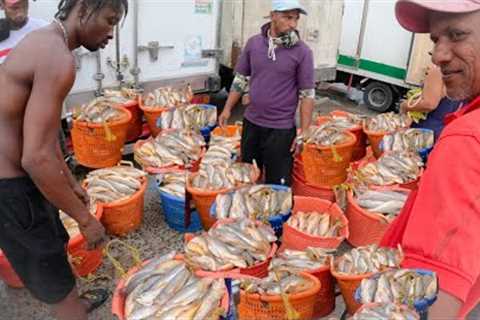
[(34, 180)]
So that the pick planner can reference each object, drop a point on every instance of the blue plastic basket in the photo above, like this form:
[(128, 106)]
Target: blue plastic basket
[(174, 212), (206, 131), (276, 222), (421, 306)]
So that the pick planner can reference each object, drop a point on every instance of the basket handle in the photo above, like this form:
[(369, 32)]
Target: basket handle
[(116, 264), (125, 163)]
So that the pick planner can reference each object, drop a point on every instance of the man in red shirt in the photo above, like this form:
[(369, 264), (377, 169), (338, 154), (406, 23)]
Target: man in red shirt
[(439, 227)]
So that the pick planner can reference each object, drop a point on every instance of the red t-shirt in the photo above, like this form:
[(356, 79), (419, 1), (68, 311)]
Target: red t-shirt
[(439, 227)]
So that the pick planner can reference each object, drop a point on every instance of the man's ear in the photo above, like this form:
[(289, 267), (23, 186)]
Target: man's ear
[(82, 12)]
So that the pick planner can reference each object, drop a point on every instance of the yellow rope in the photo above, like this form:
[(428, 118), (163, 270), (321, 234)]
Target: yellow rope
[(336, 157), (109, 136), (134, 252)]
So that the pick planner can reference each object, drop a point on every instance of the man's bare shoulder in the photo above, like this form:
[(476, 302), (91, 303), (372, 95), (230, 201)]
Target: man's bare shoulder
[(48, 48)]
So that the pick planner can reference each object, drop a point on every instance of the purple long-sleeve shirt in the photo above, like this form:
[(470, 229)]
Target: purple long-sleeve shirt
[(275, 85)]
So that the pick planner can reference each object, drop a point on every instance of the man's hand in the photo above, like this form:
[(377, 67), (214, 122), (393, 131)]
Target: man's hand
[(82, 194), (223, 119), (297, 145), (94, 232)]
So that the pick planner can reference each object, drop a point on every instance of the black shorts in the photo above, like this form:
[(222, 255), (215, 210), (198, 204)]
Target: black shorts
[(34, 240), (271, 149)]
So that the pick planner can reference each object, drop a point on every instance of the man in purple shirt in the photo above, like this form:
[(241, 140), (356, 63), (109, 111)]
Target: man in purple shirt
[(278, 68)]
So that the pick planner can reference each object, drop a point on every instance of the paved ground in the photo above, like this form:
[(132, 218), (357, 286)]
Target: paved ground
[(153, 238)]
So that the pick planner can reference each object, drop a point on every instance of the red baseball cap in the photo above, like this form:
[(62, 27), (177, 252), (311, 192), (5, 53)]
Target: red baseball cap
[(413, 14)]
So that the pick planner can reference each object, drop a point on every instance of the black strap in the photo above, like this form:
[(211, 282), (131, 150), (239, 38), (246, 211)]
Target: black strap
[(4, 29)]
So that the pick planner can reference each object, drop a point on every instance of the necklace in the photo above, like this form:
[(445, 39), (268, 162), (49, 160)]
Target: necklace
[(65, 34)]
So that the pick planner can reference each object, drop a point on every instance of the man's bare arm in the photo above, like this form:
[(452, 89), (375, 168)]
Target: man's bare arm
[(54, 77), (306, 111)]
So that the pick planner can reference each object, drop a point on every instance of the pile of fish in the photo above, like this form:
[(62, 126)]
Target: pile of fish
[(349, 121), (403, 286), (233, 142), (169, 97), (390, 168), (387, 203), (385, 311), (318, 224), (257, 202), (368, 259), (166, 289), (177, 147), (100, 110), (325, 135), (113, 184), (172, 183), (241, 243), (277, 283), (193, 116), (121, 96), (219, 155), (216, 177), (388, 122), (410, 139), (299, 261)]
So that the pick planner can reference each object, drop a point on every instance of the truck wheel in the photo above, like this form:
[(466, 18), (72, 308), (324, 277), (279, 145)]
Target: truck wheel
[(378, 96)]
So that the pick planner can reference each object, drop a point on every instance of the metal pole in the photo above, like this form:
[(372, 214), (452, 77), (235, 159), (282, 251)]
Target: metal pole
[(135, 71)]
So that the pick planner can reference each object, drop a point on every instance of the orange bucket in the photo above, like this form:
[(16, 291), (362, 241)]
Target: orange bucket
[(135, 127), (300, 187), (7, 274), (271, 307), (193, 167), (325, 303), (297, 240), (365, 227), (321, 165), (411, 185), (118, 300), (360, 146), (90, 145), (348, 284), (84, 261), (203, 199), (122, 217), (151, 115), (375, 137), (259, 270)]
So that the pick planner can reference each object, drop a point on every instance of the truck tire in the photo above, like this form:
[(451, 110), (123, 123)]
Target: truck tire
[(378, 96)]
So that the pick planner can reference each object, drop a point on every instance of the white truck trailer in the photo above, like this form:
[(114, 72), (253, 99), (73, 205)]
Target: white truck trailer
[(161, 42), (378, 55)]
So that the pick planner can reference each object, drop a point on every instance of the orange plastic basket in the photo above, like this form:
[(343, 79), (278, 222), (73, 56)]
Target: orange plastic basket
[(7, 274), (203, 199), (84, 261), (259, 270), (121, 217), (300, 187), (194, 166), (90, 144), (360, 146), (118, 300), (151, 115), (325, 303), (348, 284), (228, 131), (135, 126), (271, 307), (375, 137), (321, 165), (366, 227), (297, 240), (411, 185)]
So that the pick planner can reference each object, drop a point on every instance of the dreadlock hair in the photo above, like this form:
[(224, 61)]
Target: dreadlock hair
[(66, 6)]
